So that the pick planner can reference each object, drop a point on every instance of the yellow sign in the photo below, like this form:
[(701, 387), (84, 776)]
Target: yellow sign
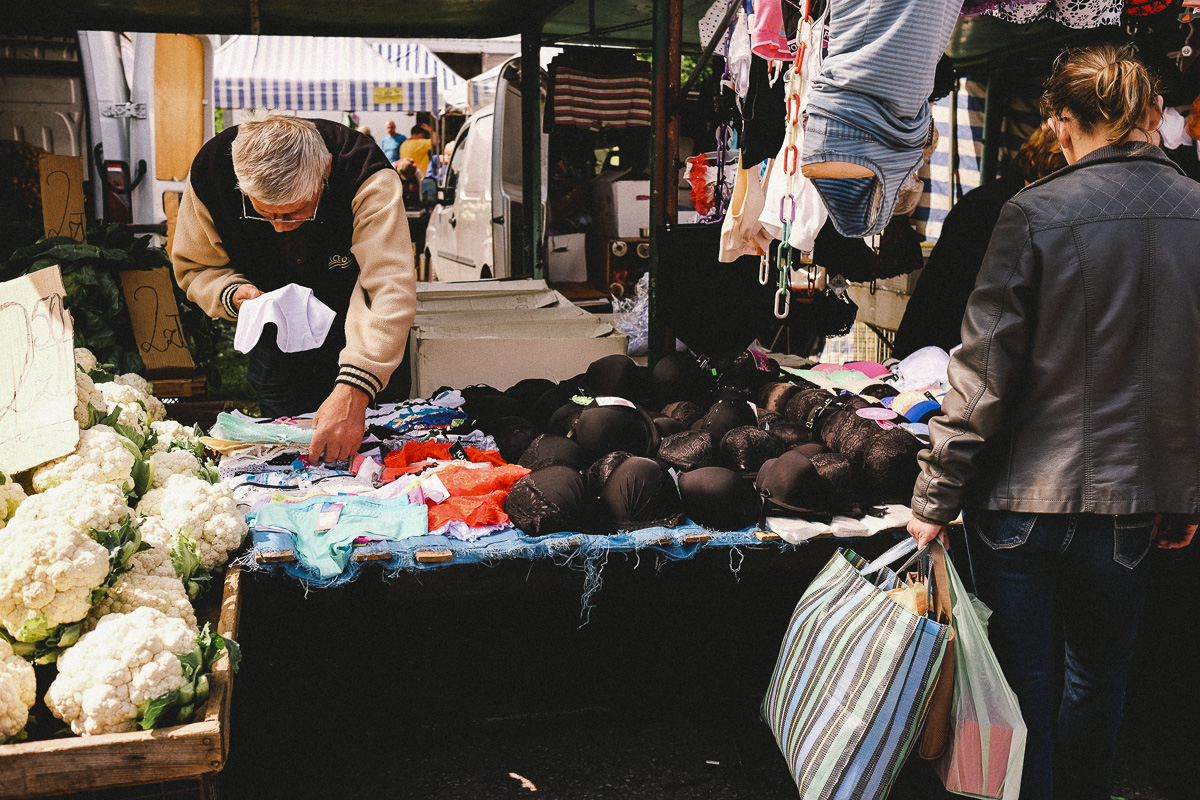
[(385, 95)]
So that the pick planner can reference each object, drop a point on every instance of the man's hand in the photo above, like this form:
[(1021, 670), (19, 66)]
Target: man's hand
[(926, 532), (340, 423), (247, 291), (1171, 532)]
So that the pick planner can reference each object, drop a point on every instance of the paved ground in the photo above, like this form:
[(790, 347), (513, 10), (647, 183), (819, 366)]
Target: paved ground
[(479, 682)]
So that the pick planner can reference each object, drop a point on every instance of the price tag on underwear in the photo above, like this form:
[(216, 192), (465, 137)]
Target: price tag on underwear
[(328, 516), (880, 416), (458, 453), (614, 401)]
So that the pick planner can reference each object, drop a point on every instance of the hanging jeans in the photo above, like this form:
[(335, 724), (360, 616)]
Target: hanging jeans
[(869, 104), (1084, 575)]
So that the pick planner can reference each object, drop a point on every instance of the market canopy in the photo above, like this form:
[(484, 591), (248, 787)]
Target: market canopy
[(418, 59), (583, 19), (315, 74), (476, 92)]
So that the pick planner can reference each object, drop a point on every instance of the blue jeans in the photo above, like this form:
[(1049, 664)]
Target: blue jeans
[(1081, 575)]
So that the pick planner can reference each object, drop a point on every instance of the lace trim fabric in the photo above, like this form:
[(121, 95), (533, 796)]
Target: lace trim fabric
[(1072, 13)]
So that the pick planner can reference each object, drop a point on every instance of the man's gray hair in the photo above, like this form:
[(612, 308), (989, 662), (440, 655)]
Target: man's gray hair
[(279, 159)]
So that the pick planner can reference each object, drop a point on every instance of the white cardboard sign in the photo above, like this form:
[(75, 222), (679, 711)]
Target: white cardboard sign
[(37, 372)]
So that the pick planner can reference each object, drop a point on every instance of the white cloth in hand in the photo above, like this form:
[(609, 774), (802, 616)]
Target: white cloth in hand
[(302, 320)]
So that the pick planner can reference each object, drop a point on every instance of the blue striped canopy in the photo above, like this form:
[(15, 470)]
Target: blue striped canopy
[(476, 93), (417, 58), (315, 74)]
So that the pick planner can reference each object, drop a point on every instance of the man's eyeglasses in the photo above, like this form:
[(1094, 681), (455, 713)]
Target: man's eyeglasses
[(248, 212)]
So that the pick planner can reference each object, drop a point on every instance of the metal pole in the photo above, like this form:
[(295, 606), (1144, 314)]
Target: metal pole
[(674, 81), (664, 150), (709, 49), (531, 151), (993, 117)]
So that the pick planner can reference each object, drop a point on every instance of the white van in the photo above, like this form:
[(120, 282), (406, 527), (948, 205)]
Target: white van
[(474, 231), (135, 106)]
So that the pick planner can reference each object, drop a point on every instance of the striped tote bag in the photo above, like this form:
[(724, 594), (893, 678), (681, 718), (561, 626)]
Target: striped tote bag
[(852, 683)]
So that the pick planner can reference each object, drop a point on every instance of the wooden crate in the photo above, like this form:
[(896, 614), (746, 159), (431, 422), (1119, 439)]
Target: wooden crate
[(78, 764), (180, 387)]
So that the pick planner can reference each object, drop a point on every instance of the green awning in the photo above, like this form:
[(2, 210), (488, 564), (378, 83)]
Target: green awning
[(609, 21)]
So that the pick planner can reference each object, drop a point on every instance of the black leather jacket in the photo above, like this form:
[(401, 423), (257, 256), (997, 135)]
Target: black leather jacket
[(1077, 388)]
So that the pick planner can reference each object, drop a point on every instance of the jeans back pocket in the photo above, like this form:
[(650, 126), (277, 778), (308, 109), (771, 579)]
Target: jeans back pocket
[(1001, 530), (1132, 536)]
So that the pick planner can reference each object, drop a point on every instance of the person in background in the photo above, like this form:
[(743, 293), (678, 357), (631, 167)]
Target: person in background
[(391, 143), (415, 150), (438, 163), (279, 200), (365, 131), (1069, 432), (934, 313)]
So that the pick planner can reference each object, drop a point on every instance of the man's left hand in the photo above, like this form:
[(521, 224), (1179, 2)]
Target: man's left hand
[(340, 423), (926, 532), (1171, 532)]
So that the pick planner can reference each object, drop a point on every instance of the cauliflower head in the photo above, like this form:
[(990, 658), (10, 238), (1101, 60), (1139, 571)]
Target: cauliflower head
[(111, 675), (134, 590), (103, 456), (84, 505), (204, 512), (158, 412), (156, 560), (87, 394), (172, 434), (49, 570), (85, 361), (174, 462), (135, 405), (11, 496), (18, 691)]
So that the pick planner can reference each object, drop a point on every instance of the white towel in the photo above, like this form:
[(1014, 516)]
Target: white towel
[(302, 320)]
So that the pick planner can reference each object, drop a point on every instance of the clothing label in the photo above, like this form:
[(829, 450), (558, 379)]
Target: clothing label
[(614, 401), (328, 516), (931, 397), (370, 470), (877, 413), (458, 453)]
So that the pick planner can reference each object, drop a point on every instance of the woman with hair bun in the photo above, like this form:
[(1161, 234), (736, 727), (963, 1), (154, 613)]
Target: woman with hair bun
[(1069, 435)]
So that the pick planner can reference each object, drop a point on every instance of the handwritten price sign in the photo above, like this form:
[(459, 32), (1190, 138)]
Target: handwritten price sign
[(150, 296), (62, 196)]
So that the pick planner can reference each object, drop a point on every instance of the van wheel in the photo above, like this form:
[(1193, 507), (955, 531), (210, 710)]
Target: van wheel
[(485, 273), (430, 274)]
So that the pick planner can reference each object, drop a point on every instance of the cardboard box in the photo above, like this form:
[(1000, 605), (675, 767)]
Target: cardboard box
[(620, 208), (501, 332), (566, 258), (883, 309)]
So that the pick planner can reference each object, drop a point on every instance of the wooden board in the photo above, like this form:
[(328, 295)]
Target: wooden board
[(171, 209), (180, 387), (179, 107), (77, 764)]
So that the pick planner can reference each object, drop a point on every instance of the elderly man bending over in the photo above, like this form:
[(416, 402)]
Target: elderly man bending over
[(279, 200)]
